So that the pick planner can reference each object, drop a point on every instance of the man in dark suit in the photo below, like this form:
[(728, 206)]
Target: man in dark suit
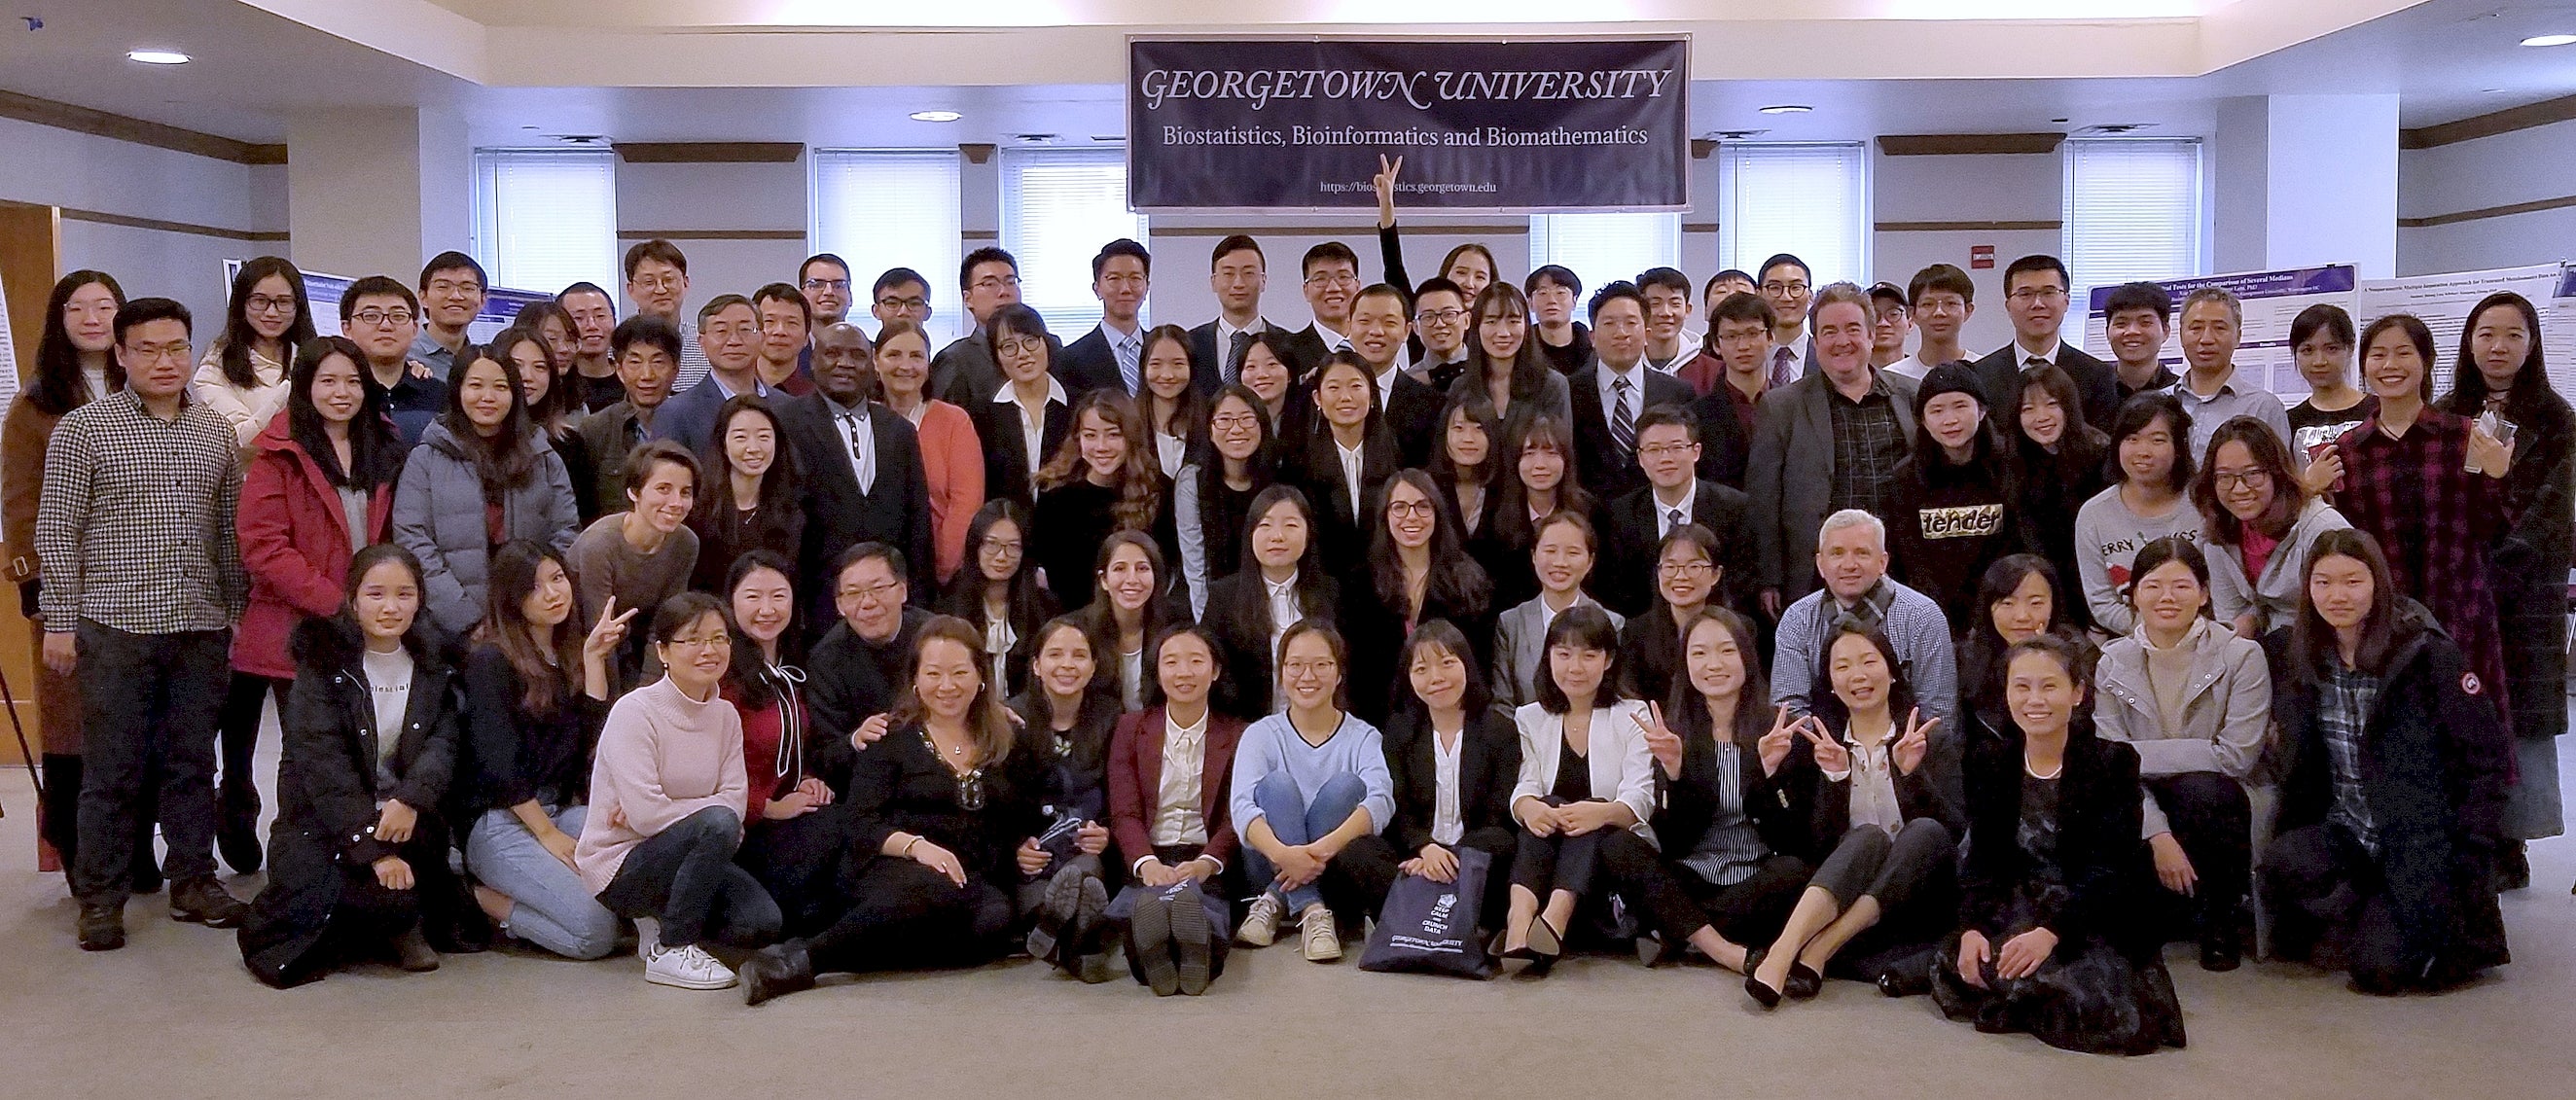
[(1331, 279), (1741, 325), (859, 471), (1237, 273), (2035, 296), (965, 373), (1412, 407), (1112, 354), (1614, 391), (1797, 474), (1673, 496)]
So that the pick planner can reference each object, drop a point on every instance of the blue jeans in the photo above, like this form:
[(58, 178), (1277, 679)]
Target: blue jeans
[(1296, 819), (552, 909), (685, 878)]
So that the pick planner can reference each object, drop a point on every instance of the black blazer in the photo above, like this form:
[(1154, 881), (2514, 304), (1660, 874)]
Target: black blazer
[(1006, 447), (1598, 466), (1375, 633), (1307, 346), (2098, 848), (1725, 444), (895, 511), (1207, 361), (1088, 364), (1921, 794), (1489, 763), (1626, 583), (1780, 806), (1413, 418), (1237, 612), (1316, 467), (2097, 384)]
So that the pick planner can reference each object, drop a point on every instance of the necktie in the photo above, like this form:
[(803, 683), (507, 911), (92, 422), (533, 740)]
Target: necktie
[(1241, 343), (2033, 363), (1623, 424), (1672, 519), (1126, 351), (1784, 366)]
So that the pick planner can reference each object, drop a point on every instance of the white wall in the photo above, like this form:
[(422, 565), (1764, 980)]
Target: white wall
[(79, 171), (697, 199), (2522, 166), (2022, 187)]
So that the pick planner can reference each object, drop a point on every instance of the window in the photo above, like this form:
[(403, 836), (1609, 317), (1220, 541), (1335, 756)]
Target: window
[(882, 209), (1058, 207), (546, 218), (2132, 211), (1603, 248), (1809, 200)]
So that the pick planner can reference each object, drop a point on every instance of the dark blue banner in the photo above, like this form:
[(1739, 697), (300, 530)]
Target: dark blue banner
[(1299, 124)]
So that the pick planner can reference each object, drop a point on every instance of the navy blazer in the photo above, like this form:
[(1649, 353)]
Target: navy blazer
[(1090, 364), (1598, 466), (1207, 361), (2097, 384)]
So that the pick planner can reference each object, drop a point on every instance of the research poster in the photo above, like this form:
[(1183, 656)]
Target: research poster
[(2444, 302), (2272, 299), (500, 304), (1300, 124)]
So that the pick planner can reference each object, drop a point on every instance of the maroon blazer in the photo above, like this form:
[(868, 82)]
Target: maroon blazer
[(1136, 774)]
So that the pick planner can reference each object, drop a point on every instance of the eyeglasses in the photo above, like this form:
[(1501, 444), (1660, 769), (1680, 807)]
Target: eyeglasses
[(1122, 280), (1021, 346), (992, 283), (1684, 569), (902, 305), (2247, 479), (444, 287), (1414, 508), (1440, 316), (1784, 288), (379, 318), (874, 593), (2027, 295), (261, 303), (660, 282), (827, 284), (1324, 279), (148, 353), (717, 640), (1293, 669), (1659, 450), (1234, 421), (997, 546)]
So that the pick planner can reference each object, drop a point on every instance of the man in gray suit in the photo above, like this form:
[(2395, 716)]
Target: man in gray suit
[(1824, 443)]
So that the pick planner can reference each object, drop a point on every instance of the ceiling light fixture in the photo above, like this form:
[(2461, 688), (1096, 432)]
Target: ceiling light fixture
[(1787, 109), (157, 57), (2550, 40), (936, 116)]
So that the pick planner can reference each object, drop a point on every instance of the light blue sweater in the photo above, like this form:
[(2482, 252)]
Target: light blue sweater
[(1272, 744)]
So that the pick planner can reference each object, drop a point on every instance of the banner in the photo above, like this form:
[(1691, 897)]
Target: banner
[(323, 292), (1299, 124), (2272, 299)]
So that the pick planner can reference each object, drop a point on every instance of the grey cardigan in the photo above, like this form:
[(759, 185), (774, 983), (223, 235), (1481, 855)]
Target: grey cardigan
[(1520, 639), (2227, 708), (2274, 596), (438, 516), (1789, 475)]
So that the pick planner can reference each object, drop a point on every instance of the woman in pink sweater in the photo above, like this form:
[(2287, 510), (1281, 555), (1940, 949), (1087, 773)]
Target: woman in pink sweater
[(667, 797)]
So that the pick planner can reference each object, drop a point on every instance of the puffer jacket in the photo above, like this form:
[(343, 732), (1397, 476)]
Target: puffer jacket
[(296, 545), (438, 515), (2226, 710)]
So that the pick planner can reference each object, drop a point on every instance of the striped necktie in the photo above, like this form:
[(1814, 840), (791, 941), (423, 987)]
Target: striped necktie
[(1623, 424)]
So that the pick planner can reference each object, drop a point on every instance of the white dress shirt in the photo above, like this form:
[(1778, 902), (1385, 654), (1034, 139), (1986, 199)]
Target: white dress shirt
[(1636, 398), (1284, 613), (860, 433), (1448, 818), (1333, 341), (1669, 516), (1873, 786), (1177, 819), (1033, 421), (1225, 333), (1351, 463)]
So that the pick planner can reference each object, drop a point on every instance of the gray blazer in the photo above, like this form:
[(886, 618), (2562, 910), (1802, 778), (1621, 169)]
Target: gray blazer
[(1789, 475), (1520, 639), (438, 516)]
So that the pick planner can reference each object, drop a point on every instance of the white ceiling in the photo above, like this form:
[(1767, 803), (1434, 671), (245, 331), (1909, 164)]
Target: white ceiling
[(2447, 59)]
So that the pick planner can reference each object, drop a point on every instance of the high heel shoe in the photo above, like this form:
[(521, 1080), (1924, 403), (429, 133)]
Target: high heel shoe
[(1545, 940), (1763, 995), (1521, 953), (1803, 982)]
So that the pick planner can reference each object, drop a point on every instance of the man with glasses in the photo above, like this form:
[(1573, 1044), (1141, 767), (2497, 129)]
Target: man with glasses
[(2212, 322), (2035, 297), (785, 322), (1331, 274), (1410, 406), (825, 280), (657, 280), (1741, 328), (1440, 324), (1237, 274), (1785, 283), (901, 294), (729, 337), (1112, 354), (964, 373), (143, 579), (1939, 300), (1669, 340), (854, 674), (451, 294), (381, 316), (1612, 395), (1668, 453), (1894, 325), (859, 472), (594, 317)]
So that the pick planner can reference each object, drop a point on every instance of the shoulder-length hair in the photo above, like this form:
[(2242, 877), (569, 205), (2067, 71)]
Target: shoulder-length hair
[(1688, 709), (1583, 626), (1440, 634), (2080, 445), (1478, 407), (545, 670), (1023, 604), (1528, 368), (987, 723), (232, 349), (1511, 513), (748, 673), (1309, 585), (2138, 415), (2314, 646), (1189, 409), (1981, 650), (2417, 333), (1018, 319), (1140, 474), (375, 450), (777, 485), (1449, 262), (1331, 636), (1830, 706), (59, 386), (1689, 534), (1100, 616), (1456, 581), (2272, 457), (421, 639), (508, 459), (550, 412)]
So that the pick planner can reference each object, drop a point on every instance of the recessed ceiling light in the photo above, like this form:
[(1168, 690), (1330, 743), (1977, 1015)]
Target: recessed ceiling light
[(1787, 109), (157, 57), (2549, 40), (936, 116)]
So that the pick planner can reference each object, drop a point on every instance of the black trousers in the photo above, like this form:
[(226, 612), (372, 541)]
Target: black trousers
[(237, 796), (2213, 822), (146, 697), (904, 916), (1676, 902), (1545, 864), (685, 877), (1915, 877), (798, 861), (2325, 890)]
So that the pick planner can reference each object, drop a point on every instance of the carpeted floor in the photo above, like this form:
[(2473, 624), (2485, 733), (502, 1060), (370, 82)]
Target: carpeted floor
[(174, 1015)]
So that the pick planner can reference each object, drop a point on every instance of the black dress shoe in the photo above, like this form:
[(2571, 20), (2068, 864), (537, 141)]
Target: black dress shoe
[(413, 953), (1899, 983), (2513, 866), (102, 927), (775, 971), (1763, 995), (237, 836), (1803, 983), (2220, 950), (201, 900)]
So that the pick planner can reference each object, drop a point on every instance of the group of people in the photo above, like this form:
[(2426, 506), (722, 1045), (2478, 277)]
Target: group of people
[(1822, 659)]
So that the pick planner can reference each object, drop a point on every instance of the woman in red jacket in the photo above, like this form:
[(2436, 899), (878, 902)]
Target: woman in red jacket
[(1175, 835), (319, 489)]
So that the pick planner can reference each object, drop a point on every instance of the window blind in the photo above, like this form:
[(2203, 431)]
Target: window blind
[(546, 218), (2132, 211), (1603, 248), (1058, 207), (887, 208), (1807, 199)]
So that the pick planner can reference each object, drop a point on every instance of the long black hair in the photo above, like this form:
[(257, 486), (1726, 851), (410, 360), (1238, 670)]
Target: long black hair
[(1455, 580), (1830, 706), (509, 458), (1687, 710), (1529, 369), (777, 485), (375, 449), (1441, 634), (232, 349), (2534, 401), (421, 639), (1023, 603), (1981, 650), (748, 673), (59, 387), (1309, 583)]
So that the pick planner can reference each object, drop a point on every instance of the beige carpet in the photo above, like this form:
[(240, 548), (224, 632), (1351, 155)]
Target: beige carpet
[(174, 1015)]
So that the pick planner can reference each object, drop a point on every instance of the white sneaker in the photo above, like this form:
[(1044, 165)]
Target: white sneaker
[(1323, 941), (687, 968), (1261, 922)]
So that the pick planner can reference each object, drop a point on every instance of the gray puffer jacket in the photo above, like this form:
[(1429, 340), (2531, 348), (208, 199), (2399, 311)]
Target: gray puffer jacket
[(439, 517)]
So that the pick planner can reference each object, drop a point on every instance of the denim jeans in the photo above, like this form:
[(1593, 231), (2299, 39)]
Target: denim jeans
[(146, 697), (1297, 819), (552, 909), (685, 877)]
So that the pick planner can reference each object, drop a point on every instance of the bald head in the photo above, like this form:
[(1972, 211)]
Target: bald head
[(844, 363)]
